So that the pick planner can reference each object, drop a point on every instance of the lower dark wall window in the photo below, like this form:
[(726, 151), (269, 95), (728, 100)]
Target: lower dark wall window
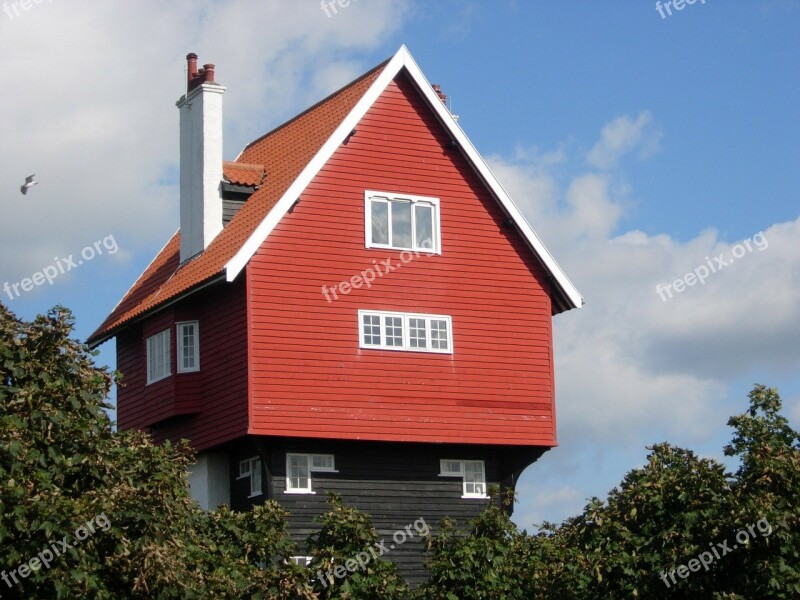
[(472, 473), (251, 467), (299, 468)]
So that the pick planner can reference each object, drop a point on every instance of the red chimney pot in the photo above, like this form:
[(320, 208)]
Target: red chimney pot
[(191, 70), (208, 73)]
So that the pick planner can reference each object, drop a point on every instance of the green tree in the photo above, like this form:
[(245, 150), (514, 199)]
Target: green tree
[(62, 465), (346, 562), (488, 560), (678, 527)]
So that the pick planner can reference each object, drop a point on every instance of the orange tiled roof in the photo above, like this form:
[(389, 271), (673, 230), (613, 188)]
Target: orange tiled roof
[(280, 154), (243, 173)]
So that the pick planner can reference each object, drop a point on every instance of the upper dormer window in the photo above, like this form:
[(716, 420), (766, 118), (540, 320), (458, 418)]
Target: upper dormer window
[(158, 358), (402, 222), (188, 341)]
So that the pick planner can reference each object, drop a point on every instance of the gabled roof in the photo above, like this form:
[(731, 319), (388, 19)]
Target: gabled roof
[(288, 158)]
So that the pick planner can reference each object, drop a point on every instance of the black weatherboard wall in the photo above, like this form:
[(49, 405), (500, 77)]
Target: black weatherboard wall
[(397, 484)]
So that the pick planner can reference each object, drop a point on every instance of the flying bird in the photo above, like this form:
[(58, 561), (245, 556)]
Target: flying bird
[(29, 182)]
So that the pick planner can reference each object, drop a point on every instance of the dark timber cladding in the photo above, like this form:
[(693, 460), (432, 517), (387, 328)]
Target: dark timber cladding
[(397, 484)]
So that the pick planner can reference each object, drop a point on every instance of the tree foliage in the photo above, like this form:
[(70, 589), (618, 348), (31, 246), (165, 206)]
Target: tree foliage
[(62, 467), (647, 538)]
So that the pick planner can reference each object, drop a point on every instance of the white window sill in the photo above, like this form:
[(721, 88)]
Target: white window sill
[(299, 492), (255, 495), (474, 497), (159, 379)]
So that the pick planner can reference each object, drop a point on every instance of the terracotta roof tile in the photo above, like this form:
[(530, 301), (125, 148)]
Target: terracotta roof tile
[(281, 154), (243, 173)]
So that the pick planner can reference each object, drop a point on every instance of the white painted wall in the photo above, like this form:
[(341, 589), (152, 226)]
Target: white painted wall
[(209, 480)]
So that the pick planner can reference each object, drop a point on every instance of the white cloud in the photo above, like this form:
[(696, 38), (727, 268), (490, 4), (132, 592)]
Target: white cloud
[(630, 368), (93, 114), (621, 136)]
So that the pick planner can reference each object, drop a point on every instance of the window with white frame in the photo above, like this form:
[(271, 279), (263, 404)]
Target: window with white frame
[(413, 332), (158, 365), (402, 222), (472, 472), (299, 468), (251, 467), (188, 342), (303, 561)]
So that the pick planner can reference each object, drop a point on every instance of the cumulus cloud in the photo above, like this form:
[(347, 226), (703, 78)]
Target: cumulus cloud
[(92, 111), (632, 368), (621, 136)]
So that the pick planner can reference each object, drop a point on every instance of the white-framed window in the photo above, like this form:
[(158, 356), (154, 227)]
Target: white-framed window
[(158, 358), (472, 473), (299, 468), (188, 342), (303, 561), (402, 222), (414, 332), (251, 467)]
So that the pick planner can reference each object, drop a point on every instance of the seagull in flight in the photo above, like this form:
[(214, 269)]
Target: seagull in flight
[(29, 182)]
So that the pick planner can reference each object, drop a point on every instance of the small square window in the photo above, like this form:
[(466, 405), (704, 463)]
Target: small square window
[(299, 468), (472, 472), (394, 331), (372, 330), (188, 346), (158, 357)]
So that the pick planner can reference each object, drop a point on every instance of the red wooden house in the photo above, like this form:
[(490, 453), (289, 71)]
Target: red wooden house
[(354, 304)]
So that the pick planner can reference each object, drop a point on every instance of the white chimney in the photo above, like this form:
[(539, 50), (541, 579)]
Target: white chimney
[(201, 159)]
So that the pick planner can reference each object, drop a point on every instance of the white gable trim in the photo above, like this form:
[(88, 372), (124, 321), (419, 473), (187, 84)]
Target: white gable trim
[(401, 59)]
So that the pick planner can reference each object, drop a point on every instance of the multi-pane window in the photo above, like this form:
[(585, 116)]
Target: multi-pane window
[(405, 331), (251, 467), (299, 468), (158, 358), (188, 342), (402, 222), (472, 472)]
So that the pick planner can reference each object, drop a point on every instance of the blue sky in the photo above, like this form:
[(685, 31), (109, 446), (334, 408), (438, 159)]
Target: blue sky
[(636, 146)]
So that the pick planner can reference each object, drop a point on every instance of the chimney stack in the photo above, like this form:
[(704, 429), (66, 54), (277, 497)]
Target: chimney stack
[(201, 158)]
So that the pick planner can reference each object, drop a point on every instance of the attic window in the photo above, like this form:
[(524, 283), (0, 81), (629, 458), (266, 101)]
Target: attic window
[(402, 222)]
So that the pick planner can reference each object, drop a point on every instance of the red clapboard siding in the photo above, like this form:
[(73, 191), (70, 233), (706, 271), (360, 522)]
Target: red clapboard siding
[(209, 406), (308, 376)]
